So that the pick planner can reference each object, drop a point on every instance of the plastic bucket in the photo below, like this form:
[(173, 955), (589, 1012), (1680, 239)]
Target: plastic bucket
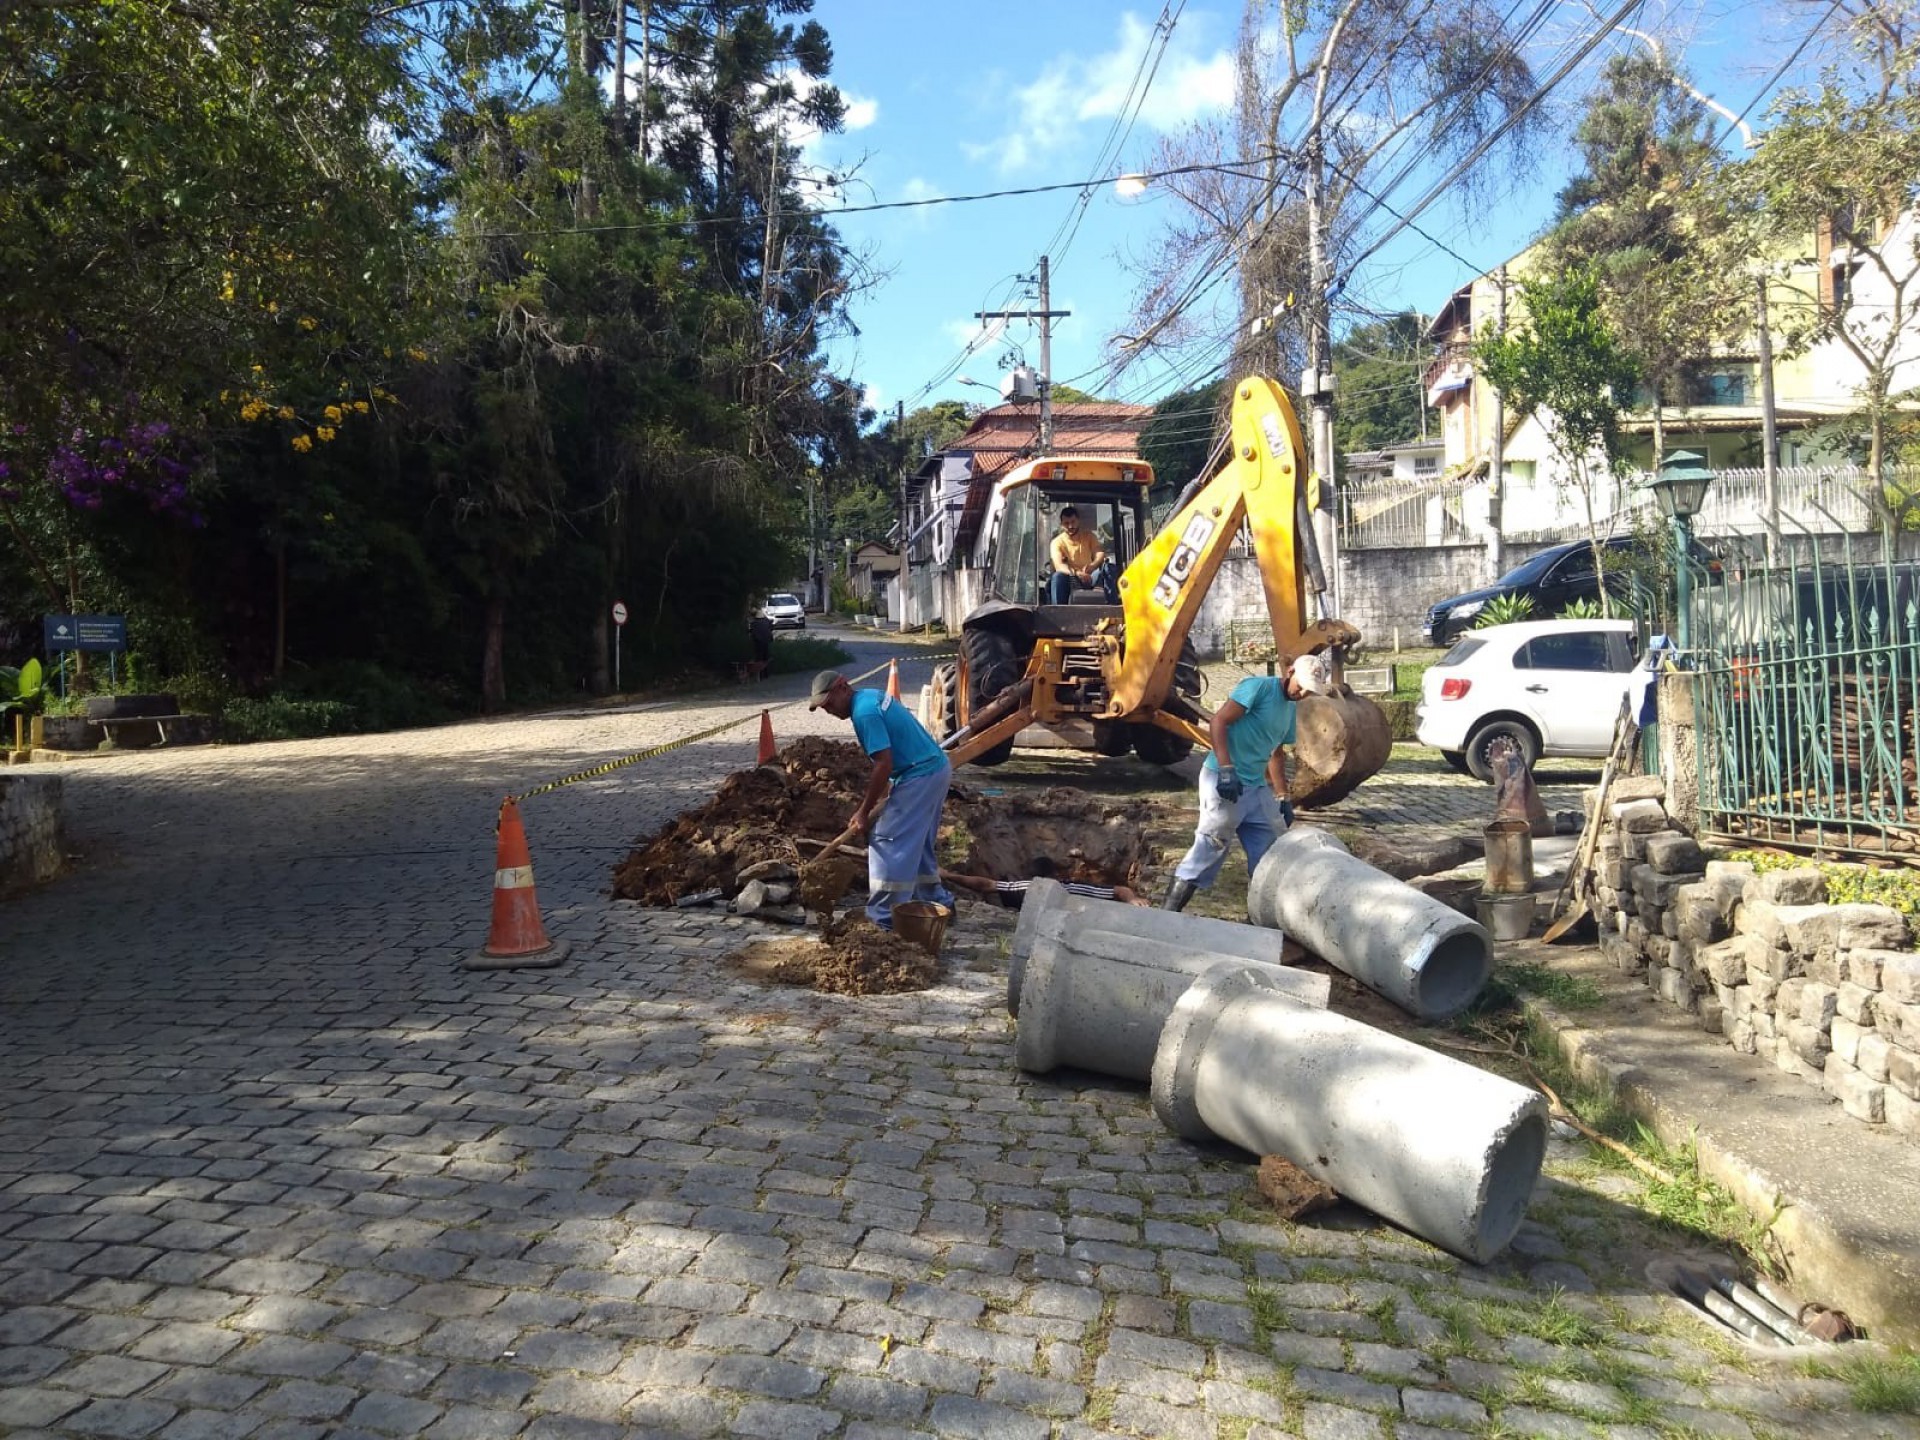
[(1509, 857), (1506, 917), (924, 922)]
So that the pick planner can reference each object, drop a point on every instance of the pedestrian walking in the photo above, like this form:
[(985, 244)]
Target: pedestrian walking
[(1250, 732), (906, 790)]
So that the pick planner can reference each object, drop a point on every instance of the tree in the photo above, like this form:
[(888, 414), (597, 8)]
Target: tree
[(1382, 391), (1179, 436), (1564, 363), (1642, 214), (1835, 173), (1325, 96)]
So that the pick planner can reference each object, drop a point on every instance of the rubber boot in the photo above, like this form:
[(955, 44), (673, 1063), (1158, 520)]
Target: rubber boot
[(1179, 892)]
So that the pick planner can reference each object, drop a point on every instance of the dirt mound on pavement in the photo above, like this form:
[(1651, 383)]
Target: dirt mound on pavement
[(807, 790), (856, 958), (810, 788), (1099, 842)]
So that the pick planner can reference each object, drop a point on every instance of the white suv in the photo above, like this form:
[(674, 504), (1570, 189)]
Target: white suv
[(1552, 686), (785, 611)]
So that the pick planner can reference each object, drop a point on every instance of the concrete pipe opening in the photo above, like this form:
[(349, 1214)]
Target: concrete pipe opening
[(1510, 1180), (1448, 972)]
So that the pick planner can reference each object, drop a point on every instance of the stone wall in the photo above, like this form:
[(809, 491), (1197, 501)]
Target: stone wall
[(1830, 993), (30, 832)]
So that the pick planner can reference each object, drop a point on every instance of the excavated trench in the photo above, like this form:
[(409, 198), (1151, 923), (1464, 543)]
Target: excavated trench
[(744, 844)]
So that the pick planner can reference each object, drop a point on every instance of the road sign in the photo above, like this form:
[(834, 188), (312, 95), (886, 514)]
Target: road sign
[(85, 632), (619, 612)]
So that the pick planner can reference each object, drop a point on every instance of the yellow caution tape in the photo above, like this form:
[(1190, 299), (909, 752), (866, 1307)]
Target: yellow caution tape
[(658, 750)]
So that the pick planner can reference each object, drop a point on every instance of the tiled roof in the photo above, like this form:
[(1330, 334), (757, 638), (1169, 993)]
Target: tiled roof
[(1005, 435)]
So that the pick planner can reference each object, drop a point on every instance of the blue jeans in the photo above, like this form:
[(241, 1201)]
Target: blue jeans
[(901, 862), (1060, 584)]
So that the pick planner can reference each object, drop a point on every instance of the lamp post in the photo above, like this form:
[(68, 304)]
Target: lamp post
[(1680, 490)]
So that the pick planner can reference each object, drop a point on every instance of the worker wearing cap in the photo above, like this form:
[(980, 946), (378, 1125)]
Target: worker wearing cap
[(1249, 731), (905, 793)]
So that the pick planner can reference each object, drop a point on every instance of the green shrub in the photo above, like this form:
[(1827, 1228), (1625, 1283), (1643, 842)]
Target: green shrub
[(1588, 609), (280, 717), (1505, 610), (377, 699)]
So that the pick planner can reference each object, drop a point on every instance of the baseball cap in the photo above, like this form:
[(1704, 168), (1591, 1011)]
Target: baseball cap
[(822, 683), (1313, 674)]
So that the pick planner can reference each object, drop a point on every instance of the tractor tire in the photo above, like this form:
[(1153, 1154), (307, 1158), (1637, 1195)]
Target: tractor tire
[(945, 701), (992, 665), (1163, 747), (1112, 738)]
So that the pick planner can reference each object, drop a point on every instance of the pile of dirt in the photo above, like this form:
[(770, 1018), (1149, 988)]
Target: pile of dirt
[(855, 958), (810, 788), (1096, 841), (806, 791)]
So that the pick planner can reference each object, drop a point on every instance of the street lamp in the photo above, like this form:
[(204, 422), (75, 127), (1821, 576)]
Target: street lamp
[(1680, 489)]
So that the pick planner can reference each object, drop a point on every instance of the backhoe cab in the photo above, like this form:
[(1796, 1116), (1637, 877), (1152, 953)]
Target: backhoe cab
[(1128, 671)]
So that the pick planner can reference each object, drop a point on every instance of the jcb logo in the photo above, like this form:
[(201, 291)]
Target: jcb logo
[(1166, 590)]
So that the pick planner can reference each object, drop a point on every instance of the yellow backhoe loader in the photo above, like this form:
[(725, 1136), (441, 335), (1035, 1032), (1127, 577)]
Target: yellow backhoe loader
[(1129, 670)]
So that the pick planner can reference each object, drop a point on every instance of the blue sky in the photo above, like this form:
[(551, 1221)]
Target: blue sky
[(953, 100)]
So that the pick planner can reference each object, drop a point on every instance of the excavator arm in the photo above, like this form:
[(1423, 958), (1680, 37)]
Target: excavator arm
[(1162, 590)]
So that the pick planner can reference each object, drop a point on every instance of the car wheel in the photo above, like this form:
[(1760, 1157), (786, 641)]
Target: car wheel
[(1517, 731), (1456, 758)]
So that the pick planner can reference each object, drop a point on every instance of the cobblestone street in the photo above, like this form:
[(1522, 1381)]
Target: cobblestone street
[(272, 1164)]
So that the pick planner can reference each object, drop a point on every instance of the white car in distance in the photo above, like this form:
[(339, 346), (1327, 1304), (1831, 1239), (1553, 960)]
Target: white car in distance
[(1552, 686), (785, 611)]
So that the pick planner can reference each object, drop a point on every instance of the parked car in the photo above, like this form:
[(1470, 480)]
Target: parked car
[(1553, 579), (1552, 686), (785, 611)]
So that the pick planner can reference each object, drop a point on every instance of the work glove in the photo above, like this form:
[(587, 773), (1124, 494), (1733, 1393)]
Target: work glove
[(1286, 813), (1228, 787)]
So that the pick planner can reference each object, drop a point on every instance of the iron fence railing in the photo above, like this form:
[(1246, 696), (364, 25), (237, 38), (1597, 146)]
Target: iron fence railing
[(1806, 694)]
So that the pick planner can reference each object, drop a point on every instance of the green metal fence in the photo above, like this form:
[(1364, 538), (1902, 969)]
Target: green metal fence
[(1806, 696)]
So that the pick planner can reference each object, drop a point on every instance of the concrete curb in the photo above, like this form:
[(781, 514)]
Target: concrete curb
[(1840, 1194)]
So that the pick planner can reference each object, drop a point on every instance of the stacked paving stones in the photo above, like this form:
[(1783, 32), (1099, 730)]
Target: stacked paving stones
[(1830, 993), (29, 829)]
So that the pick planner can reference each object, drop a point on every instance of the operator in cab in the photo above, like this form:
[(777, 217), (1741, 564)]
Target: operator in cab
[(1078, 558), (906, 790), (1243, 784)]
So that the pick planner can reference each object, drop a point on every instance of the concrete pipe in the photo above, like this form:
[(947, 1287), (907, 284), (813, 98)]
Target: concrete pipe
[(1426, 957), (1172, 941), (1098, 1000), (1439, 1148)]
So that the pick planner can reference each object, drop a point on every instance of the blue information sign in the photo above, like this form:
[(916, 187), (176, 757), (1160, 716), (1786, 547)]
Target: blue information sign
[(85, 632)]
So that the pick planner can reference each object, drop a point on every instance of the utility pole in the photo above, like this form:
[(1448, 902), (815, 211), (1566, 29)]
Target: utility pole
[(1497, 477), (1316, 385), (1046, 315), (906, 565), (1769, 437)]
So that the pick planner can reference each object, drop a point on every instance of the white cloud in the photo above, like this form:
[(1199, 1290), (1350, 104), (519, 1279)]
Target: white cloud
[(966, 332), (861, 112), (872, 398), (1076, 91)]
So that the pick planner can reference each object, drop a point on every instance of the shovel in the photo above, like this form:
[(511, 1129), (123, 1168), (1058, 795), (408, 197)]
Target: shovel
[(1625, 732)]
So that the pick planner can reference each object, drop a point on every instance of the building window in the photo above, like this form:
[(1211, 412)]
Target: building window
[(1426, 464), (1720, 384)]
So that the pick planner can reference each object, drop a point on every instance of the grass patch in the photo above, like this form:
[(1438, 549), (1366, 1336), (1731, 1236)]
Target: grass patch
[(1512, 979), (1884, 1385), (1385, 1312), (1269, 1314)]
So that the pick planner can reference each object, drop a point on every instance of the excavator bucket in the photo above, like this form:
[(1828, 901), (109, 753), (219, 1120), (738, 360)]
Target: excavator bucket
[(1339, 741)]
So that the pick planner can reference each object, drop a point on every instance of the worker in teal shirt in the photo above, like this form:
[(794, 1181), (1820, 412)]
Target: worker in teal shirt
[(906, 790), (1245, 792)]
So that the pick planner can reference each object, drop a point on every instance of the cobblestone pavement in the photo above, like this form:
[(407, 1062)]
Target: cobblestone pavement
[(273, 1165)]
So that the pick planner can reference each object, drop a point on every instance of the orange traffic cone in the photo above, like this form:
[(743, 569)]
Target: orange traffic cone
[(767, 752), (516, 938), (893, 679)]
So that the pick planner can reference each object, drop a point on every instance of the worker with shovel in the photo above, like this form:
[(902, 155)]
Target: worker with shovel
[(1243, 784), (905, 793)]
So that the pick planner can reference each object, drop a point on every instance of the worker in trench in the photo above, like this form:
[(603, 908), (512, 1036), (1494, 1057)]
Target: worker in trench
[(1243, 784), (906, 790)]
